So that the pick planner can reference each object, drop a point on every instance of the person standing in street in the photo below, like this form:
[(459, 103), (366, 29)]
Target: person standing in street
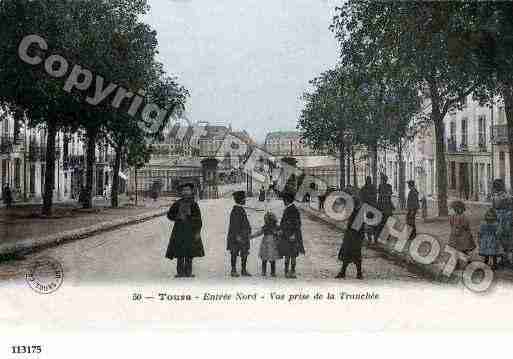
[(412, 205), (7, 196), (503, 205), (351, 249), (185, 242), (385, 204), (368, 195), (291, 241), (239, 231)]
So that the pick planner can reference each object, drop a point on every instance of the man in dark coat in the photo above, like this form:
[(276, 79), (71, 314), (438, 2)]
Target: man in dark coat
[(291, 241), (368, 195), (185, 242), (239, 230), (385, 204), (412, 204)]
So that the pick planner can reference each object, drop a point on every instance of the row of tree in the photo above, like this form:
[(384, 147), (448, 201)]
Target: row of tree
[(405, 65), (108, 38)]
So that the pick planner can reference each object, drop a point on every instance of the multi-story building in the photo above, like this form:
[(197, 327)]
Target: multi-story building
[(23, 163)]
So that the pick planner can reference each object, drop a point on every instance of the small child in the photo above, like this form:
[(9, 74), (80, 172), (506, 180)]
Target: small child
[(489, 245), (461, 235), (269, 245)]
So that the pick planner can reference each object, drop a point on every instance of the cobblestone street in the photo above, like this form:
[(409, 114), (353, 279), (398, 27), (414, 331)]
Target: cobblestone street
[(135, 254)]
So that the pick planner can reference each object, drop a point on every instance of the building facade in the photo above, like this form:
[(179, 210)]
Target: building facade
[(23, 163)]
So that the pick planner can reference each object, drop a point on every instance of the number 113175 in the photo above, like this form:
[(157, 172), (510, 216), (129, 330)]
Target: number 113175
[(26, 349)]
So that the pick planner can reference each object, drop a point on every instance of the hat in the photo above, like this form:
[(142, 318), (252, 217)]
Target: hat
[(491, 214), (187, 184), (411, 182), (239, 195), (289, 196), (458, 205)]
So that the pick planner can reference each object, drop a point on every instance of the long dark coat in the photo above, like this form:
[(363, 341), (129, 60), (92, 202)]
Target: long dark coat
[(290, 226), (238, 231), (351, 249), (368, 194), (185, 239)]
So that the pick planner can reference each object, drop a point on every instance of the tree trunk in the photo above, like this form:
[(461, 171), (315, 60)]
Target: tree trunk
[(355, 175), (507, 95), (374, 154), (90, 162), (50, 169), (441, 165), (402, 186), (114, 202), (348, 168), (342, 152), (135, 180)]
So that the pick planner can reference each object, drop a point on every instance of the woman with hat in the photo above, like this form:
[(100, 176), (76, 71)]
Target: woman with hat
[(489, 245), (461, 235), (185, 242), (385, 204), (502, 203), (239, 230)]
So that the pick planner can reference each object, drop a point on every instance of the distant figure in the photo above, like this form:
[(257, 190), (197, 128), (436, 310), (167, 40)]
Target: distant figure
[(7, 196), (261, 195), (423, 203), (185, 242), (306, 197), (412, 205), (82, 197), (385, 204), (368, 195)]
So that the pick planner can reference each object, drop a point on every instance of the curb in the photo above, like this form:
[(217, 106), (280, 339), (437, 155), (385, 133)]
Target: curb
[(431, 271), (30, 245)]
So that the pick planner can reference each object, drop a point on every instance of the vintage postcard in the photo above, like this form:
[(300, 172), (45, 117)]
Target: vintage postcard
[(292, 165)]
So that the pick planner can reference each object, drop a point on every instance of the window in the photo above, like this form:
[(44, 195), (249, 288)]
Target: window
[(482, 132), (464, 133), (453, 174)]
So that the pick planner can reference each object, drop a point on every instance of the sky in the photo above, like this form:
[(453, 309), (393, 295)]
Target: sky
[(245, 62)]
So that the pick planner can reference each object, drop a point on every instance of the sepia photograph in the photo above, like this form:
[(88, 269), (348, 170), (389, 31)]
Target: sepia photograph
[(284, 165)]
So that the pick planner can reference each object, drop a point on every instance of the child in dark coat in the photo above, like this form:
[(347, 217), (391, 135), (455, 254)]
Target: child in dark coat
[(239, 231)]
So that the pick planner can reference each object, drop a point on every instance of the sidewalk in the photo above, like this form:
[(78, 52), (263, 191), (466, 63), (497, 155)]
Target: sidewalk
[(23, 230), (434, 226)]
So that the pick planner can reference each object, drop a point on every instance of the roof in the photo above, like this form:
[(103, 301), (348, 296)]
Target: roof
[(282, 135)]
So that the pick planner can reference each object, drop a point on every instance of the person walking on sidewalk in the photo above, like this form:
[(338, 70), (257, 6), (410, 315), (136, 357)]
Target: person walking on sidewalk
[(269, 246), (239, 231), (385, 204), (461, 236), (489, 245), (291, 241), (351, 249), (185, 242), (412, 205), (503, 205), (7, 196), (368, 195)]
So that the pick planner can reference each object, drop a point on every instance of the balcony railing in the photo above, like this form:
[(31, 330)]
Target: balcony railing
[(500, 134), (6, 144)]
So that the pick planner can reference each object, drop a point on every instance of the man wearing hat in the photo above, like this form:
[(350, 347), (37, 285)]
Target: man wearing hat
[(239, 231), (412, 205), (291, 241), (185, 242)]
